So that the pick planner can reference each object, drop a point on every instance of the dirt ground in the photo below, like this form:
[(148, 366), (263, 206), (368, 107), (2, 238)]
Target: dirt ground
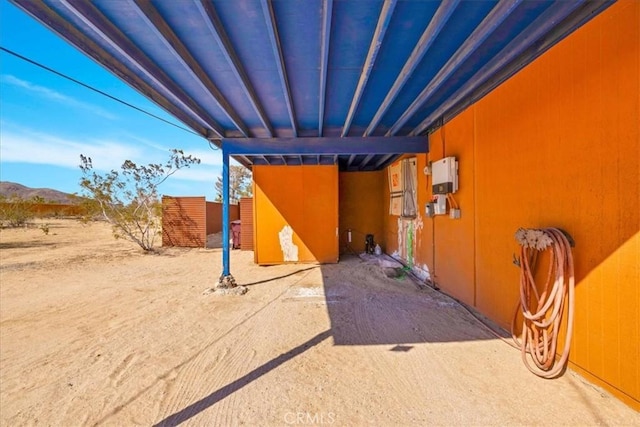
[(94, 332)]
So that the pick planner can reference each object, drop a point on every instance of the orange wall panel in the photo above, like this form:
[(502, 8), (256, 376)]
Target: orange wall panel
[(395, 226), (455, 240), (304, 198), (571, 120), (558, 144), (452, 263), (361, 208), (320, 211)]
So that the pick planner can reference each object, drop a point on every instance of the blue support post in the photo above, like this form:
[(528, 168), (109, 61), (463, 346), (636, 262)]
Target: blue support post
[(226, 279), (225, 213)]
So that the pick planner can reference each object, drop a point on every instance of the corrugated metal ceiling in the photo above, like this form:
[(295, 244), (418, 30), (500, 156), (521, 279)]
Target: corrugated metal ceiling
[(314, 76)]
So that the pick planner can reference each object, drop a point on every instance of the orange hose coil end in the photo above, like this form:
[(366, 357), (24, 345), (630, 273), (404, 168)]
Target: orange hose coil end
[(541, 325)]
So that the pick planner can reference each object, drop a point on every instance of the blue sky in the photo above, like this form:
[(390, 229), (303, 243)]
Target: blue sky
[(46, 121)]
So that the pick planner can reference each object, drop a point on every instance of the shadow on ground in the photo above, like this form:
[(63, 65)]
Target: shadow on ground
[(204, 403), (25, 245), (368, 308), (365, 307)]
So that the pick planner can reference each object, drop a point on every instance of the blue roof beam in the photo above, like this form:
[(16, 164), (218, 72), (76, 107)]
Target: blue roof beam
[(378, 36), (390, 160), (539, 36), (429, 35), (279, 160), (327, 11), (326, 146), (492, 21), (163, 31), (215, 27), (244, 160), (383, 159), (270, 20), (294, 160), (109, 34), (258, 160), (365, 161)]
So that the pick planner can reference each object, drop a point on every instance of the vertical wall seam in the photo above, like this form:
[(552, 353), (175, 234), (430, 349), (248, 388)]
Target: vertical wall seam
[(337, 212), (474, 141), (254, 202)]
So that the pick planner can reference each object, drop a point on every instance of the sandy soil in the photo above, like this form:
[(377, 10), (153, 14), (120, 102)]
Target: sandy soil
[(94, 332)]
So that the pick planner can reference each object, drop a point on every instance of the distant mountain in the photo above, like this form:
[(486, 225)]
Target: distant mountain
[(9, 189)]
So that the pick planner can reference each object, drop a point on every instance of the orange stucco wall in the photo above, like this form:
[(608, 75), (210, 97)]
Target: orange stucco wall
[(304, 198), (361, 209), (555, 145)]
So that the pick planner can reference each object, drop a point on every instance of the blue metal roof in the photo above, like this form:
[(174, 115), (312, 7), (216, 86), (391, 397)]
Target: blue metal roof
[(315, 77)]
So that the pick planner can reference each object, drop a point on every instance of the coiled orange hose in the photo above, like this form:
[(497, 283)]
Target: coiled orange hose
[(542, 312)]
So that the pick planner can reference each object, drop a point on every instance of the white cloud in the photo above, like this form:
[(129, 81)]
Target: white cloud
[(40, 148), (20, 145), (55, 96), (207, 157), (198, 173), (147, 142)]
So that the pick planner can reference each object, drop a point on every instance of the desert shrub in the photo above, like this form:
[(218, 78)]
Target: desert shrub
[(45, 229), (129, 198), (15, 211)]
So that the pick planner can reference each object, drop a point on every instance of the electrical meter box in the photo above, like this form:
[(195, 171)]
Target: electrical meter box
[(444, 175)]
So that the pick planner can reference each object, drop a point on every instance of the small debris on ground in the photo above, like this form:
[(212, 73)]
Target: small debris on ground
[(238, 290), (384, 261)]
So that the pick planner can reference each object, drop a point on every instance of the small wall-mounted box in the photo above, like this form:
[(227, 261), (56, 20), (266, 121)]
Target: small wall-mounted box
[(440, 204), (444, 175), (429, 210)]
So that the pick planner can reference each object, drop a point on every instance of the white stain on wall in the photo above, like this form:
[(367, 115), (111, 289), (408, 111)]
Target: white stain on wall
[(406, 254), (418, 223), (289, 250), (401, 236)]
